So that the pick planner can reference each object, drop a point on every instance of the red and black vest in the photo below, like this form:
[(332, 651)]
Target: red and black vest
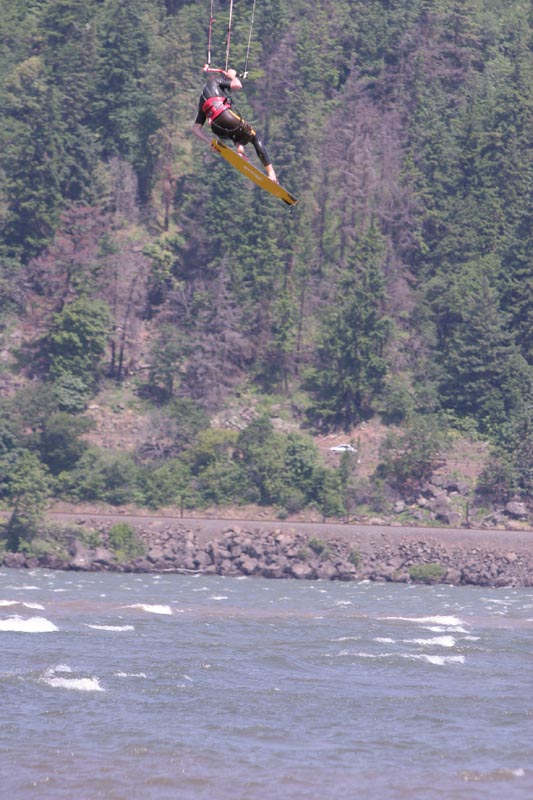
[(214, 106)]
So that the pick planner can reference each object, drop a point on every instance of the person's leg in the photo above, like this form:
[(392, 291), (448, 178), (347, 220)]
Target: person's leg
[(226, 125), (230, 125), (263, 156)]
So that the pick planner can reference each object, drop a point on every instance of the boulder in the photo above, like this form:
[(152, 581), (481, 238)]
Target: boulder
[(15, 560), (82, 555), (103, 556), (302, 570), (516, 509)]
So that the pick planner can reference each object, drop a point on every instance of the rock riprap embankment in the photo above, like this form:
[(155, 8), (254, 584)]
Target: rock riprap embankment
[(280, 554)]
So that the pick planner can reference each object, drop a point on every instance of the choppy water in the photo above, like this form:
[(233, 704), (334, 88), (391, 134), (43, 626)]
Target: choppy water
[(154, 687)]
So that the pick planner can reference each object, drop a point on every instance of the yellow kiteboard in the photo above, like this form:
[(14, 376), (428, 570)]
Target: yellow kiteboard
[(253, 173)]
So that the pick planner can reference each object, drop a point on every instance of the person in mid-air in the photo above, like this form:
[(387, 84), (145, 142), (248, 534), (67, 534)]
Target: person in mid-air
[(215, 107)]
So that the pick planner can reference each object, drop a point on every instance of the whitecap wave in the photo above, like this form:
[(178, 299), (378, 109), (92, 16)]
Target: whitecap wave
[(31, 625), (437, 620), (437, 641), (75, 684), (113, 628), (440, 661), (346, 639), (431, 659), (447, 629), (51, 678), (7, 603), (29, 588), (152, 609), (130, 675)]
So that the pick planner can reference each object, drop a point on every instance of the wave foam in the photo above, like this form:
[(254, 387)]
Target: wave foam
[(503, 774), (152, 609), (130, 675), (31, 625), (438, 641), (75, 684), (441, 661), (51, 678), (114, 628), (437, 620)]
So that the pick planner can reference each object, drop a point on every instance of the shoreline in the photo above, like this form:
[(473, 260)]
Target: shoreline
[(291, 549)]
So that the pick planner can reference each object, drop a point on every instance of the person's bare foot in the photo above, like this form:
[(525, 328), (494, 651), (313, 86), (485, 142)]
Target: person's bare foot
[(270, 173)]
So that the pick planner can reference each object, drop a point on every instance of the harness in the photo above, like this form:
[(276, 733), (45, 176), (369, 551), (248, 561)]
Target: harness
[(213, 107)]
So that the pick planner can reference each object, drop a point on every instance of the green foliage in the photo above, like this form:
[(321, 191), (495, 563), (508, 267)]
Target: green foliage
[(328, 493), (30, 159), (122, 538), (77, 341), (496, 480), (401, 284), (101, 476), (60, 444), (351, 364), (427, 573), (168, 484), (124, 113), (71, 392), (409, 458), (262, 452), (510, 469), (319, 547), (26, 487), (168, 356), (483, 375)]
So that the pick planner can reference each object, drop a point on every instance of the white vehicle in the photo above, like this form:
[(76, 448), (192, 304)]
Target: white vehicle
[(343, 448)]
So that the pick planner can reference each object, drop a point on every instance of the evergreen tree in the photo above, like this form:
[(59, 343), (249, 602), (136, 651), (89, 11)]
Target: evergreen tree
[(68, 31), (484, 376), (77, 340), (30, 159), (124, 114), (351, 364)]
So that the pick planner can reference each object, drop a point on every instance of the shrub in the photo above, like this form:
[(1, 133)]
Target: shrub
[(427, 573), (122, 539), (409, 458), (319, 547)]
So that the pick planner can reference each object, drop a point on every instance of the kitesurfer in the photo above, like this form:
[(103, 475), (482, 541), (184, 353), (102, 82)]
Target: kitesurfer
[(215, 106)]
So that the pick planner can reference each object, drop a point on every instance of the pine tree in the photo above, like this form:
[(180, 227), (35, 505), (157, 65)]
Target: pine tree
[(484, 377), (351, 364), (31, 159), (124, 114)]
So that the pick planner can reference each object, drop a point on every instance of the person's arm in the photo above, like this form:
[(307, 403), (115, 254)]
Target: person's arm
[(235, 81)]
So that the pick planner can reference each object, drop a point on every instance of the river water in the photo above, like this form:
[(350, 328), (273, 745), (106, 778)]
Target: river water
[(149, 687)]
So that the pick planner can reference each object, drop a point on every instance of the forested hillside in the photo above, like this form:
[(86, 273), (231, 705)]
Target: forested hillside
[(135, 263)]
